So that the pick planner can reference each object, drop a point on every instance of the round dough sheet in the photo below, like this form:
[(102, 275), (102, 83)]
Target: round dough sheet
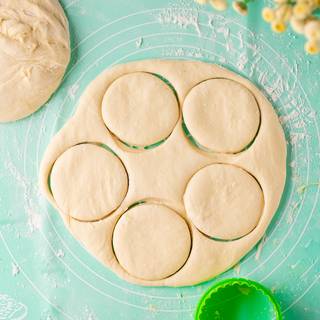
[(174, 213)]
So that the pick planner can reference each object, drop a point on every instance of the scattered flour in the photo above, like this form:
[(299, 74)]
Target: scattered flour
[(242, 61), (139, 42), (88, 314), (15, 269), (181, 17), (293, 266), (60, 253), (260, 247), (276, 89), (225, 31), (182, 52), (237, 269), (152, 308), (240, 37), (304, 187), (30, 192), (73, 90), (292, 212), (34, 219)]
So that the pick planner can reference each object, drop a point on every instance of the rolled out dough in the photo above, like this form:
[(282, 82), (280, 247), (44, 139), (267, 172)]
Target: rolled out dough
[(34, 54), (229, 194)]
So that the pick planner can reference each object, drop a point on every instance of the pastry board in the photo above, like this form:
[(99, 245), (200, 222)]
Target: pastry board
[(44, 271)]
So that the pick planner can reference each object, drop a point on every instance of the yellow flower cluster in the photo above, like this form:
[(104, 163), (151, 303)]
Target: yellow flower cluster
[(300, 15), (239, 5)]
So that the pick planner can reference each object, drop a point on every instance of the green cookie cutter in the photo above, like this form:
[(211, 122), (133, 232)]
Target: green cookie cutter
[(238, 299)]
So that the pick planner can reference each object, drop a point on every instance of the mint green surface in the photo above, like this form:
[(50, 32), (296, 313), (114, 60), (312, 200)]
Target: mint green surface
[(238, 299), (50, 276)]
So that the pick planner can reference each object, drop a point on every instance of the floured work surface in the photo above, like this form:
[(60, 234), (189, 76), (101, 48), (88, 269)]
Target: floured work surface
[(169, 172)]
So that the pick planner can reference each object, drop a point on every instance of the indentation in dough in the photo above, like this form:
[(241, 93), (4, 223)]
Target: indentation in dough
[(224, 201), (88, 182), (151, 241), (221, 115), (140, 109)]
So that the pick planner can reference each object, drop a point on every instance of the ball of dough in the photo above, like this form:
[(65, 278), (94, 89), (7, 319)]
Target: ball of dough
[(34, 54), (151, 241), (88, 182), (140, 109), (221, 115), (224, 201)]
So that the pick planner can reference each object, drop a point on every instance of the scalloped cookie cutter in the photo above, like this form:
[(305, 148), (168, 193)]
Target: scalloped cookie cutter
[(238, 299), (169, 172)]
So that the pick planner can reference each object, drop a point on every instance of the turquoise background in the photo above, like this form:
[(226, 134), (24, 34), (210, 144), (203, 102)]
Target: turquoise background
[(50, 276)]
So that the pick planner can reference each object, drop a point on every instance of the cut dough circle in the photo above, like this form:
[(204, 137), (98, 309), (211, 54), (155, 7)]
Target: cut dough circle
[(151, 241), (221, 115), (34, 54), (88, 182), (224, 201), (140, 109)]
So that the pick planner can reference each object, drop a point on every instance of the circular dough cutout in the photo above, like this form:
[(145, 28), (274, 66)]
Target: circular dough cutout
[(151, 242), (88, 182), (221, 115), (140, 109), (223, 201), (34, 54)]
